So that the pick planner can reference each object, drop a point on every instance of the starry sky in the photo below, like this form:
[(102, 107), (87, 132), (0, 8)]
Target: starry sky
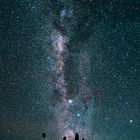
[(70, 66)]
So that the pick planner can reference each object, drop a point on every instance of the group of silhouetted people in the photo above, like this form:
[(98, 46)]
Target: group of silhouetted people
[(76, 137), (65, 138)]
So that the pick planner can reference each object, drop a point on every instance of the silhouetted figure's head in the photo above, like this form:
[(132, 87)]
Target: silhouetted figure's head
[(76, 136), (64, 138), (44, 135), (83, 139)]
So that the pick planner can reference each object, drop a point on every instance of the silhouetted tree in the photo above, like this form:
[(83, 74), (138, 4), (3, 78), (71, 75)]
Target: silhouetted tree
[(83, 139), (64, 138), (76, 136), (44, 135)]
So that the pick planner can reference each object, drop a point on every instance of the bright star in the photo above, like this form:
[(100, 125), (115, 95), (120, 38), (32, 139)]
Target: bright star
[(131, 121), (78, 114), (70, 101)]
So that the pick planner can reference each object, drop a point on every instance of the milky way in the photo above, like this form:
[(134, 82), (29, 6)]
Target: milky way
[(69, 122), (63, 112), (61, 85)]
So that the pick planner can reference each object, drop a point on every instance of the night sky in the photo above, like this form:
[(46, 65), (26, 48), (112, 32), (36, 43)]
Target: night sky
[(70, 66)]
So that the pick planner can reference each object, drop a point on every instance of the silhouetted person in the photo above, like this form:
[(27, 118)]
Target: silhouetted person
[(64, 138), (44, 135), (76, 136), (83, 139)]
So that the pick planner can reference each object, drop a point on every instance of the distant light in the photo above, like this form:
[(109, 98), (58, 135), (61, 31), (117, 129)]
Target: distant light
[(70, 101)]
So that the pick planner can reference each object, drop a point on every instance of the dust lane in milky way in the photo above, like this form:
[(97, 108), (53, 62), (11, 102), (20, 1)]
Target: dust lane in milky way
[(61, 84)]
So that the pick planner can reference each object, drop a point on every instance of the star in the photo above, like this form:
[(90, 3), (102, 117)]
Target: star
[(70, 101), (78, 114)]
